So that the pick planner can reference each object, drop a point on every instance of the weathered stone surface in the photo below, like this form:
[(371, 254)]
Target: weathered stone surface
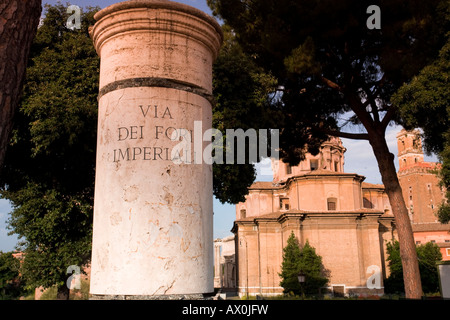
[(152, 217)]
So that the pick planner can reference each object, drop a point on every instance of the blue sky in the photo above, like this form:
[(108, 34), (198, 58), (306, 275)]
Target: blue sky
[(359, 157), (199, 4)]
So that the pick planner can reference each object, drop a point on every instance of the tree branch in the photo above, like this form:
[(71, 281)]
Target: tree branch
[(373, 105), (387, 117), (331, 84), (360, 110), (348, 135)]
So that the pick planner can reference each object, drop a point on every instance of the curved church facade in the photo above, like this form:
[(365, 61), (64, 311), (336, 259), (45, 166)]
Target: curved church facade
[(346, 220)]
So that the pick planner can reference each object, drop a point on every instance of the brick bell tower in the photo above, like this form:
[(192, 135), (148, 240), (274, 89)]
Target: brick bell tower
[(410, 150), (418, 179)]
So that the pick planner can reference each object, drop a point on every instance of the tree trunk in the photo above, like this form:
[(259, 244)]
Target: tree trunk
[(63, 293), (408, 253), (19, 20)]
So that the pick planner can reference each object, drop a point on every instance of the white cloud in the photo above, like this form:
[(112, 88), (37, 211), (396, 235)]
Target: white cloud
[(360, 159)]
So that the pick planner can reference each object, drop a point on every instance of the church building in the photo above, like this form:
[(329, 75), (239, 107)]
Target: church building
[(347, 220)]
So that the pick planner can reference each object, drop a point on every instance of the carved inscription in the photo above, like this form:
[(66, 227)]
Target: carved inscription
[(140, 132)]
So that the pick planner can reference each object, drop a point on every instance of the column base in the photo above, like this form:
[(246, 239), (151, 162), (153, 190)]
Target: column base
[(195, 296)]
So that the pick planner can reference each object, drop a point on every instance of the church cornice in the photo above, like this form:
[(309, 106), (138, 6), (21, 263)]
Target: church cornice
[(311, 175), (281, 217)]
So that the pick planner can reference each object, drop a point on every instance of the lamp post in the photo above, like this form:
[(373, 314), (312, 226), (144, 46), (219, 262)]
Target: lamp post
[(302, 279)]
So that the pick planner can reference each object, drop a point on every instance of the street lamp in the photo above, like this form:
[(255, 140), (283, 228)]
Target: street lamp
[(302, 279)]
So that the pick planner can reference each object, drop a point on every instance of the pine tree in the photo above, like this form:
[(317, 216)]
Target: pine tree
[(311, 265), (290, 267), (306, 261)]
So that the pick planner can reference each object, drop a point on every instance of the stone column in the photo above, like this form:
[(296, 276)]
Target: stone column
[(217, 266), (153, 210)]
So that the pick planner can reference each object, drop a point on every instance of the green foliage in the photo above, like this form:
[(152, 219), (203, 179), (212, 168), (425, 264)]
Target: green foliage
[(305, 260), (50, 163), (11, 286), (49, 293), (231, 181), (394, 283), (311, 265), (332, 70), (443, 212), (242, 92), (290, 267), (75, 294), (302, 59), (82, 293), (424, 103), (428, 255)]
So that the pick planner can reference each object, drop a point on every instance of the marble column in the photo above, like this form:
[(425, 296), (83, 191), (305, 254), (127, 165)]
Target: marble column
[(153, 212)]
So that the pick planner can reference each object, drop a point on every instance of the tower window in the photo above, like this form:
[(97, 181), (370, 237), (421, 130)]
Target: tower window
[(331, 204), (284, 203), (243, 213), (288, 169), (314, 163), (367, 203)]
